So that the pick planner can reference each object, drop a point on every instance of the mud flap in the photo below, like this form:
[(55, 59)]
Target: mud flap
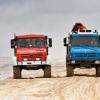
[(70, 70), (47, 71), (98, 71)]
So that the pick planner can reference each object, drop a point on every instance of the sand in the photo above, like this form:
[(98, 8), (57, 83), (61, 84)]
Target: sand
[(83, 86)]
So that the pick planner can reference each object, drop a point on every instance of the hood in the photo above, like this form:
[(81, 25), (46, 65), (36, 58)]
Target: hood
[(85, 53), (85, 49), (31, 54), (30, 50)]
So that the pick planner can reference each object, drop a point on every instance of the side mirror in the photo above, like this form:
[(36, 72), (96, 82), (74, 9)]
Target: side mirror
[(50, 42), (65, 42), (13, 43), (99, 41)]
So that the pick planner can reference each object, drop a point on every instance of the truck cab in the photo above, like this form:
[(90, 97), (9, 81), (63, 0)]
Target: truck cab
[(31, 52), (83, 51)]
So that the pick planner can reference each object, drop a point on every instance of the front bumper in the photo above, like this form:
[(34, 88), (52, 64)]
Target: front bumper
[(83, 62), (31, 62)]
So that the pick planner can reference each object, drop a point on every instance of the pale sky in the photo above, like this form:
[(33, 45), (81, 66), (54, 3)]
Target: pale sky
[(52, 17)]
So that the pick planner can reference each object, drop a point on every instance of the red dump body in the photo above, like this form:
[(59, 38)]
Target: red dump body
[(31, 52)]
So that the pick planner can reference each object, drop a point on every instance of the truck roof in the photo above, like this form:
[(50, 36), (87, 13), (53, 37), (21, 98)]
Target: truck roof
[(31, 36), (85, 34)]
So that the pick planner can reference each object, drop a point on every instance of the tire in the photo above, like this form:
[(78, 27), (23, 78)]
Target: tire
[(16, 72), (70, 70), (97, 71), (47, 71)]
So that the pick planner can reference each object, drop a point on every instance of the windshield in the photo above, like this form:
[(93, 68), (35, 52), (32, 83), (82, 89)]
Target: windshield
[(84, 41), (33, 42)]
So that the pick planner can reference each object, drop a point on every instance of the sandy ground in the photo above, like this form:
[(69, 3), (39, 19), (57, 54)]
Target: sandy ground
[(83, 86)]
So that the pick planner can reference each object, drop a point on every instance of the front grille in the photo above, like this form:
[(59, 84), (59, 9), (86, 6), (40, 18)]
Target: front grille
[(38, 55), (85, 54), (25, 56), (31, 55), (85, 62)]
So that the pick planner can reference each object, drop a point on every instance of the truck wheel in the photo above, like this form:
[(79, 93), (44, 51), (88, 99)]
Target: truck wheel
[(16, 72), (98, 71), (70, 70), (47, 71)]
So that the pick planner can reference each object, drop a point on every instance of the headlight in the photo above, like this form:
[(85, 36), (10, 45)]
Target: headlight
[(37, 58), (25, 59), (97, 62), (73, 61), (43, 62), (19, 63)]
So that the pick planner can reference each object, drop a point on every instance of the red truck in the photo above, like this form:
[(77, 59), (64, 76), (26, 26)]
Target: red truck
[(31, 53)]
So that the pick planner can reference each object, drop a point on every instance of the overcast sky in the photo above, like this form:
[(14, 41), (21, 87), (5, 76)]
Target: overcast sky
[(52, 17)]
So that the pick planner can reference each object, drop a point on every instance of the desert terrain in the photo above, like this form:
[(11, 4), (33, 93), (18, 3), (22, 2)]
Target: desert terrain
[(83, 86)]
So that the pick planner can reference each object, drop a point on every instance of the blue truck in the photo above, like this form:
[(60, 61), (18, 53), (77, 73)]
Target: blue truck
[(82, 51)]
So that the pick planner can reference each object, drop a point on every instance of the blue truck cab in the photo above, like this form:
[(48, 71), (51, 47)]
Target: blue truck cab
[(83, 51)]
